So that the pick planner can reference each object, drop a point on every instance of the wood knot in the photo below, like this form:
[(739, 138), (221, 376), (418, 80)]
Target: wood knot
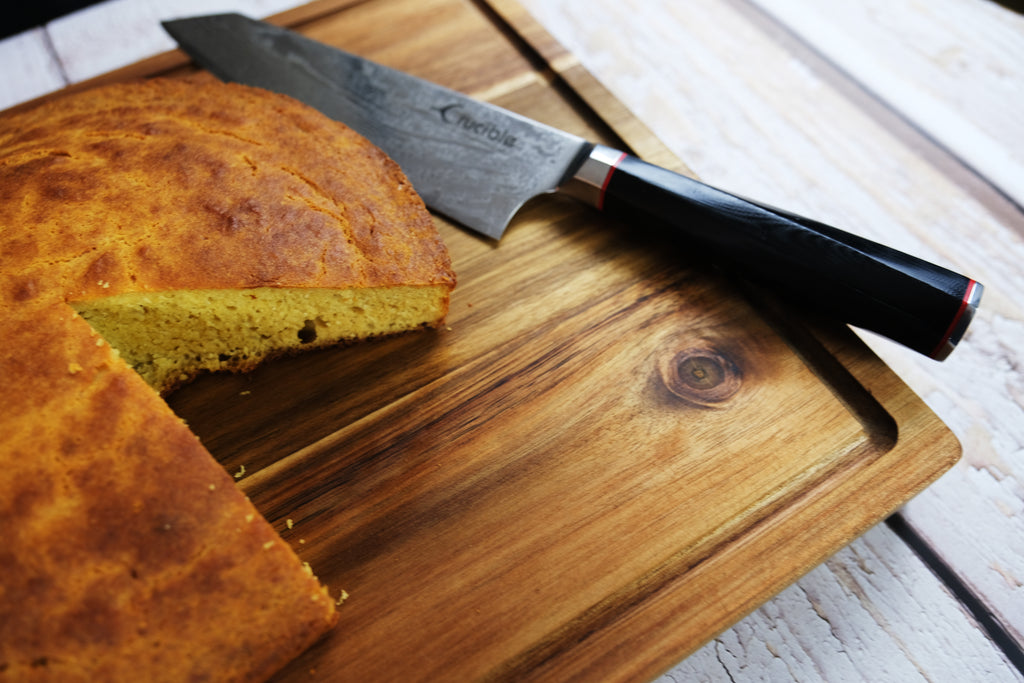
[(701, 376)]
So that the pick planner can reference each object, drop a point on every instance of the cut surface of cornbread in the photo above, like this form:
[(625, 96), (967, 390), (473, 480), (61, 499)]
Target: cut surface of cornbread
[(169, 337)]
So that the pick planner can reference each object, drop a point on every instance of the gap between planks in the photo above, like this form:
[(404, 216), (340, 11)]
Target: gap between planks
[(940, 155), (987, 621)]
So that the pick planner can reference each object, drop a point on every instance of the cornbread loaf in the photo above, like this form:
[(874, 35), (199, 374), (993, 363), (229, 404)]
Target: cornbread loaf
[(150, 231)]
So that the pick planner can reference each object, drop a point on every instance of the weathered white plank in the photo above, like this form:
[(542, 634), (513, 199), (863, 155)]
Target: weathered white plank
[(115, 33), (101, 38), (872, 613), (28, 68), (952, 66), (751, 112)]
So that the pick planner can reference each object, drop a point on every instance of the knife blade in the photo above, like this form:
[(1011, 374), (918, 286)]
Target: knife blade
[(478, 164)]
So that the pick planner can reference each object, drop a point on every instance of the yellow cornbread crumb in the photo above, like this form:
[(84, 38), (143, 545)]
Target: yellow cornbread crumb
[(169, 337)]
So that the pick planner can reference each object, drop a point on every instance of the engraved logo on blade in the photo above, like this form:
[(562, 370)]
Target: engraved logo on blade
[(454, 115)]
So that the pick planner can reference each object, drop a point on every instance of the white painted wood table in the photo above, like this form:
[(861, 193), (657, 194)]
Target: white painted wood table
[(899, 120)]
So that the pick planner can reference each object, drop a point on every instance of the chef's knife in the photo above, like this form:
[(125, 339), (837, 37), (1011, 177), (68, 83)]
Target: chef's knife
[(478, 164)]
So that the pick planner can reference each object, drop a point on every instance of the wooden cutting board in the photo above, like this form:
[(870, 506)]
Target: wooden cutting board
[(610, 454)]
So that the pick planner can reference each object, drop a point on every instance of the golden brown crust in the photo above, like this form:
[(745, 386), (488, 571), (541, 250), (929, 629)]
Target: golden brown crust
[(192, 184), (128, 553)]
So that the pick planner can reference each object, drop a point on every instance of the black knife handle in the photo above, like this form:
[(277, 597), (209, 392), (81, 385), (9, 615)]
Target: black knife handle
[(918, 304)]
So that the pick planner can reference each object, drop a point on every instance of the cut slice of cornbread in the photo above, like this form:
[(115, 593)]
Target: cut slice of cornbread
[(192, 225), (128, 553), (169, 337)]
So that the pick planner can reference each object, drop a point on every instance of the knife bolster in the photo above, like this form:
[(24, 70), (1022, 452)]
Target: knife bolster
[(589, 182)]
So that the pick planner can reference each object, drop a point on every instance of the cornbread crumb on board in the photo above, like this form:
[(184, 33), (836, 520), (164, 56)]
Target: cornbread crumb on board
[(194, 226)]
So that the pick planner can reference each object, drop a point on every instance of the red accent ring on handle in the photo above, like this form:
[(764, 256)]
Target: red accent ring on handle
[(607, 179), (968, 293)]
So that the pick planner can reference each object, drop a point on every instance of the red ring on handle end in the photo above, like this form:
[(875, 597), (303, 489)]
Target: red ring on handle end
[(958, 326)]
